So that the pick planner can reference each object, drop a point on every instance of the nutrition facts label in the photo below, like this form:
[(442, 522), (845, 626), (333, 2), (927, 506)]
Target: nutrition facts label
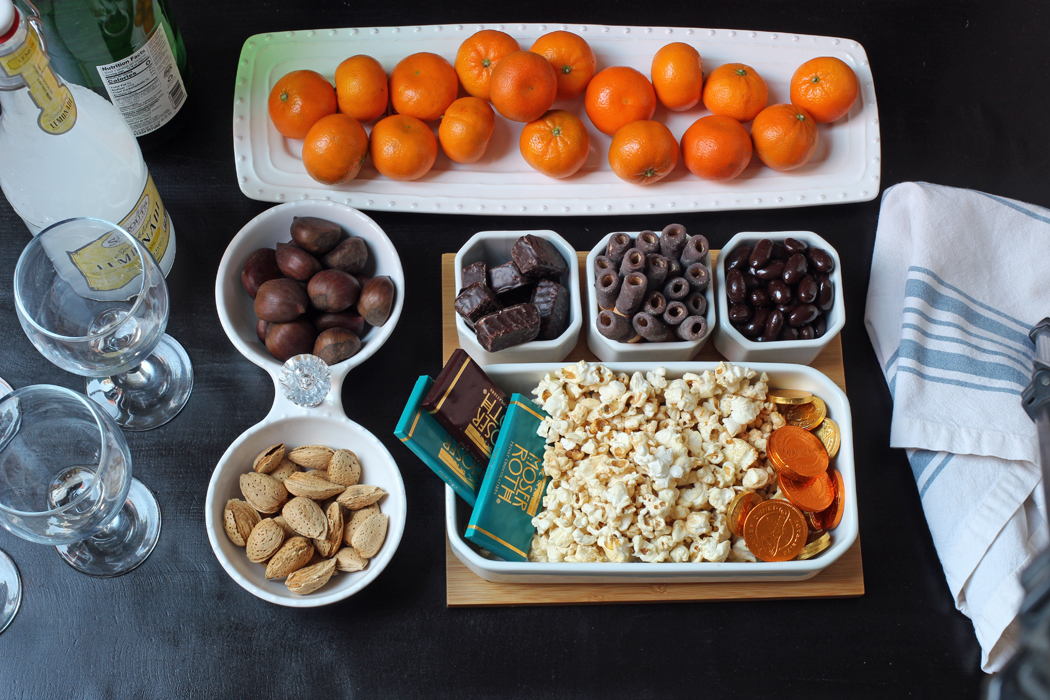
[(146, 86)]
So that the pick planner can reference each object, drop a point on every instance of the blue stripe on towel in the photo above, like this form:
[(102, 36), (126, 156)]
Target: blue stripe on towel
[(918, 289), (1015, 207), (1025, 353), (947, 339), (936, 472), (920, 459), (958, 362), (986, 307), (956, 382)]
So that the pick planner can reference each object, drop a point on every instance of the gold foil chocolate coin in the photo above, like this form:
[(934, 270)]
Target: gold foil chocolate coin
[(775, 531), (789, 397), (739, 508), (829, 433), (797, 453), (807, 415), (815, 547), (814, 495), (832, 515)]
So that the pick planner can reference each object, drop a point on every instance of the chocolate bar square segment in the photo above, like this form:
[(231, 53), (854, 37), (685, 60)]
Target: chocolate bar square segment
[(552, 303), (476, 301), (476, 272), (466, 403), (511, 326), (506, 277), (538, 257)]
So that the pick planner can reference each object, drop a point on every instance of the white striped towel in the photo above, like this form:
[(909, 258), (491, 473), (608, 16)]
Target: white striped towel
[(958, 277)]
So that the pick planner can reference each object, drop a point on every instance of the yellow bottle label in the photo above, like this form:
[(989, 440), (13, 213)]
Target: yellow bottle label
[(58, 111), (107, 263)]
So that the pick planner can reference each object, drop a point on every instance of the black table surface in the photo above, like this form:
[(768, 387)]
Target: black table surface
[(962, 95)]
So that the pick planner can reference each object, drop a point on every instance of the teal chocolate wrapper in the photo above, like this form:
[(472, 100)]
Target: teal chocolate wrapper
[(433, 444), (511, 494)]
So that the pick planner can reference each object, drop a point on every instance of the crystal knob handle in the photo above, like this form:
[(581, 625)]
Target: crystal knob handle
[(305, 380)]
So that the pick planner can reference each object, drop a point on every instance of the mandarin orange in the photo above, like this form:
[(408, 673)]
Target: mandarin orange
[(402, 147), (716, 147), (334, 149), (556, 144), (678, 76), (361, 88), (618, 95), (735, 90), (785, 136), (423, 85), (523, 86), (826, 87), (572, 59), (298, 100), (478, 55), (466, 128), (643, 152)]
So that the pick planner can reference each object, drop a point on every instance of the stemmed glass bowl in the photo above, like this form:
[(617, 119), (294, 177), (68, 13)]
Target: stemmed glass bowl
[(93, 301)]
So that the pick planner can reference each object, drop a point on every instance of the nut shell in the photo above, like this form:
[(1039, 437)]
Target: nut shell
[(264, 493), (296, 262), (355, 521), (310, 578), (306, 517), (333, 291), (239, 519), (261, 266), (344, 319), (348, 560), (310, 485), (311, 456), (286, 340), (344, 468), (281, 300), (336, 344), (315, 235), (265, 540), (329, 545), (360, 495), (293, 555), (370, 536), (376, 300), (350, 256), (269, 459)]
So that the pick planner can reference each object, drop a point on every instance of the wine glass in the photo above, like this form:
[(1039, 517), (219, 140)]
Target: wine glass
[(93, 301), (65, 480), (10, 581)]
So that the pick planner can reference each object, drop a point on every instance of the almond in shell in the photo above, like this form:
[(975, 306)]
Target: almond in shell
[(292, 556), (347, 559), (309, 579), (306, 517), (312, 485), (263, 492), (344, 468), (288, 531), (360, 495), (239, 519), (358, 517), (369, 537), (311, 456), (268, 460), (265, 540), (329, 545), (285, 469)]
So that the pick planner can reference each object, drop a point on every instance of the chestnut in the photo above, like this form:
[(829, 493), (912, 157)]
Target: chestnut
[(336, 344), (261, 266), (280, 300), (376, 300), (296, 262), (286, 340), (260, 329), (344, 319), (314, 235), (333, 290), (350, 256)]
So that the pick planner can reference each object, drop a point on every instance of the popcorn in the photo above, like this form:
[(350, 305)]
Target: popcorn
[(642, 467)]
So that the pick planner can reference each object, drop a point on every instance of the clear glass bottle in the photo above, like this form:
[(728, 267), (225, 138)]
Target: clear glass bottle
[(128, 51), (66, 152)]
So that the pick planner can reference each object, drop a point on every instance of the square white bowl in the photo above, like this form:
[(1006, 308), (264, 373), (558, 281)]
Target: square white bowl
[(732, 343), (493, 248), (523, 378), (608, 350)]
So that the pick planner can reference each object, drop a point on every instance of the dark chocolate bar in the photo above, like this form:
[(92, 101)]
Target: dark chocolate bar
[(511, 326), (476, 301), (552, 303), (506, 277), (467, 404), (538, 257), (476, 272)]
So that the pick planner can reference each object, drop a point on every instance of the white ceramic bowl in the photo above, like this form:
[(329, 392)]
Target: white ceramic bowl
[(523, 378), (736, 348), (237, 309), (326, 426), (493, 248), (608, 350)]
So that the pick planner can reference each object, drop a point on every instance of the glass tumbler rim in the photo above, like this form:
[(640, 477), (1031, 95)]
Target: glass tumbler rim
[(103, 446), (144, 255)]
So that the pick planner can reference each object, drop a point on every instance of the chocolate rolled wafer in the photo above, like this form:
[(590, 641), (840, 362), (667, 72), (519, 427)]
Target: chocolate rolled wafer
[(537, 257), (675, 313), (603, 264), (509, 327), (655, 271), (647, 242), (614, 326), (632, 294), (607, 288), (633, 261), (650, 327), (654, 304), (695, 250), (552, 303), (677, 289), (476, 272), (693, 328), (672, 241), (476, 302), (674, 268), (696, 303), (619, 244), (698, 276)]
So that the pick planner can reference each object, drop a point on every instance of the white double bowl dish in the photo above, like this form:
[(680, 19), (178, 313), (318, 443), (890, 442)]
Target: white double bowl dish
[(523, 378), (295, 425)]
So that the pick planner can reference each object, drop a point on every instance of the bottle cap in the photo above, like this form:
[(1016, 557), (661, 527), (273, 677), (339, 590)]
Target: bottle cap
[(8, 19)]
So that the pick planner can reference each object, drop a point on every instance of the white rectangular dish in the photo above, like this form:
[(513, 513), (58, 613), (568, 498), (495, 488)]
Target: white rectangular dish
[(845, 168), (523, 378)]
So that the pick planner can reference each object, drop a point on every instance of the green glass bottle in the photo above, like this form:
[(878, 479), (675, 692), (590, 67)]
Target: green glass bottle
[(128, 51)]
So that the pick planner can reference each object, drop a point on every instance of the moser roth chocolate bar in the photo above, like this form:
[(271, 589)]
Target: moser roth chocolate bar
[(467, 404), (511, 494), (432, 444)]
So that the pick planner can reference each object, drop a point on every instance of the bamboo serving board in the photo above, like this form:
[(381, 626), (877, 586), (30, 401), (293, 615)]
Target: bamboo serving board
[(844, 578)]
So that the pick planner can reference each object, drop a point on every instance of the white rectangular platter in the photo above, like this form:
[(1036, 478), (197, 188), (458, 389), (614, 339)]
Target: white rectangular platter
[(845, 168), (523, 378)]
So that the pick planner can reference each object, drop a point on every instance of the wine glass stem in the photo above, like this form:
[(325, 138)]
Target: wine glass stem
[(115, 533), (136, 378)]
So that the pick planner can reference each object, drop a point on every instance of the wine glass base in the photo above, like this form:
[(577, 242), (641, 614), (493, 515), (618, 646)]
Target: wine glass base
[(123, 545), (152, 394), (10, 590)]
